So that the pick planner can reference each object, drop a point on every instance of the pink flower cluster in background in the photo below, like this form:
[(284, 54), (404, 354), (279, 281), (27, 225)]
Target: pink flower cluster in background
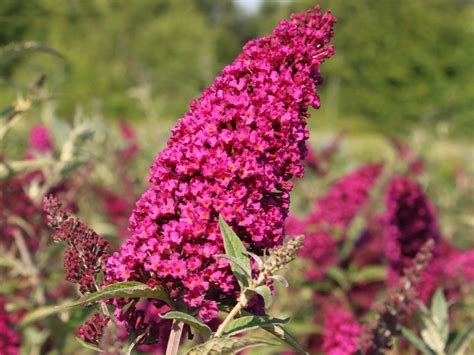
[(409, 222), (40, 140), (332, 214), (341, 333), (9, 339), (15, 207), (233, 154)]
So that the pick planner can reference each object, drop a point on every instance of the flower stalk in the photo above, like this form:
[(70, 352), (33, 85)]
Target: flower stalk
[(175, 337)]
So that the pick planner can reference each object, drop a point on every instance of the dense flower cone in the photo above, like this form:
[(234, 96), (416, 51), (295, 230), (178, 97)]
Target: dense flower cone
[(333, 213), (410, 221), (233, 154), (9, 338), (341, 333)]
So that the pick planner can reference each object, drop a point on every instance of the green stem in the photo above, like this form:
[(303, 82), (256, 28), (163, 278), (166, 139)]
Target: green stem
[(243, 299), (238, 307)]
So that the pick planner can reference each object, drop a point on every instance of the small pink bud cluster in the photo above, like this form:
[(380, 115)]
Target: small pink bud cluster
[(40, 140), (233, 154), (93, 329), (86, 250)]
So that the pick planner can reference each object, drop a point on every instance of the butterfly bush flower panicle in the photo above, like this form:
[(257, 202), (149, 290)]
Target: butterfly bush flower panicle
[(86, 252), (341, 333), (233, 154), (281, 256), (409, 222)]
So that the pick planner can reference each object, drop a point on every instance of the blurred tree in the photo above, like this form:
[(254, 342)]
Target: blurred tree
[(398, 62), (163, 50)]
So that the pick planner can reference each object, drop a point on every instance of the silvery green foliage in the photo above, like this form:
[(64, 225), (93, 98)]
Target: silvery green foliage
[(250, 285), (227, 345), (434, 330)]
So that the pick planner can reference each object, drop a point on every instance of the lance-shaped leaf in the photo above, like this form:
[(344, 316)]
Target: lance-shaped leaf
[(246, 323), (234, 248), (228, 345), (255, 257), (130, 289), (368, 274), (191, 321), (417, 342), (431, 334), (439, 313), (459, 345), (280, 279), (281, 333), (236, 262), (338, 275)]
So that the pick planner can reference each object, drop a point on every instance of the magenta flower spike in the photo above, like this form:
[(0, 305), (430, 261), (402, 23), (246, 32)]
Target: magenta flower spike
[(233, 153), (409, 222)]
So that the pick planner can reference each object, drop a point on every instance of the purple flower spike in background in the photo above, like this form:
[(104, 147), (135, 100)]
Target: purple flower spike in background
[(233, 154), (409, 222)]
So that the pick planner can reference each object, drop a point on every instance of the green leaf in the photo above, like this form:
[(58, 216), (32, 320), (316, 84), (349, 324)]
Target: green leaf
[(191, 321), (7, 111), (234, 247), (14, 50), (236, 261), (246, 323), (282, 334), (88, 345), (338, 275), (280, 279), (355, 229), (459, 345), (255, 257), (431, 335), (417, 342), (368, 274), (228, 345), (266, 294), (130, 289), (439, 312), (7, 261)]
